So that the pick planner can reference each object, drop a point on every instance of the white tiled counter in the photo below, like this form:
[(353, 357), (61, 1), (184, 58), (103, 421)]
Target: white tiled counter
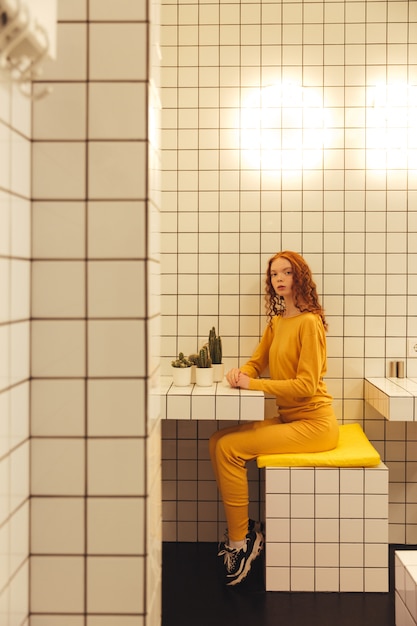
[(406, 588), (218, 402), (394, 398)]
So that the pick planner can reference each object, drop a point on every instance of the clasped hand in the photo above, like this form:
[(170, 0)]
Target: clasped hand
[(236, 378)]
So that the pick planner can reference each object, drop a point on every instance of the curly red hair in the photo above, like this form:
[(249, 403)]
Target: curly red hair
[(304, 288)]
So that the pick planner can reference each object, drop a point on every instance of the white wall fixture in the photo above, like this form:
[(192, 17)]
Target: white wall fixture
[(27, 38)]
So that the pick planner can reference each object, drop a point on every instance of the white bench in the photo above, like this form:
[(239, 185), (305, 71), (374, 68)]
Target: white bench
[(326, 520)]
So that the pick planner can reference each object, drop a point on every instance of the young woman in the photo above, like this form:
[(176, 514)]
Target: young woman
[(294, 347)]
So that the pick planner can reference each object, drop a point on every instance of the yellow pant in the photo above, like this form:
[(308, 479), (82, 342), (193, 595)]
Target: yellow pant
[(231, 448)]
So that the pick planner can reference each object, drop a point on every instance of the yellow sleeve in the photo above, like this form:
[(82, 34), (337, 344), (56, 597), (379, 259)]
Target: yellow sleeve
[(296, 378)]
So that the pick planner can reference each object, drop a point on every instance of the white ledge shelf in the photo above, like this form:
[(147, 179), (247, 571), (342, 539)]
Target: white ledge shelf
[(394, 398), (218, 402)]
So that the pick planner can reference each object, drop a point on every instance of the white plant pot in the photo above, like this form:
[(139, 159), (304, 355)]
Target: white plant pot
[(182, 376), (204, 376), (218, 372)]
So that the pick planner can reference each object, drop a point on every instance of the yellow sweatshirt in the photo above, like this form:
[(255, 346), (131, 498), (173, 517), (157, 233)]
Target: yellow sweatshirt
[(295, 350)]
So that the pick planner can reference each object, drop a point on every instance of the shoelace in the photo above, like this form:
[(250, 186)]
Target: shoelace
[(230, 556)]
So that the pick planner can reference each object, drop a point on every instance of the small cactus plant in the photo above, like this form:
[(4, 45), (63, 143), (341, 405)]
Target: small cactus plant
[(181, 361), (215, 346), (204, 359), (193, 358)]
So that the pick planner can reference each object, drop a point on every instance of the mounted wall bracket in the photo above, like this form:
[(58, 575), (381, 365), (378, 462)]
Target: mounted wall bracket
[(25, 40)]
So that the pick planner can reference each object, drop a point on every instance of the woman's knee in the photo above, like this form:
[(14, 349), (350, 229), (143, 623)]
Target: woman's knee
[(225, 449), (213, 441), (221, 442)]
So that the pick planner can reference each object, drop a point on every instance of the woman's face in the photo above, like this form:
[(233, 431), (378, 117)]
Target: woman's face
[(282, 277)]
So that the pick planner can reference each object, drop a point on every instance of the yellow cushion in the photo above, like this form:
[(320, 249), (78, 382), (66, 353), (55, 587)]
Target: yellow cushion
[(353, 450)]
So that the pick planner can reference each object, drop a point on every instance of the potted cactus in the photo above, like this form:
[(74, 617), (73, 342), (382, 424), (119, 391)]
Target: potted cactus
[(215, 349), (204, 371), (193, 358), (181, 370)]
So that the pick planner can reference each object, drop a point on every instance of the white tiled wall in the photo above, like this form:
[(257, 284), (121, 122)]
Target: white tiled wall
[(350, 208), (191, 510), (15, 133), (95, 456), (96, 211)]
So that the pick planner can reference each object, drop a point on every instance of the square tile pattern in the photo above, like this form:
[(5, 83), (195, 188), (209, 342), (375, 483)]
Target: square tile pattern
[(225, 213), (394, 398), (15, 306), (95, 449), (405, 588), (217, 402), (221, 221), (326, 529)]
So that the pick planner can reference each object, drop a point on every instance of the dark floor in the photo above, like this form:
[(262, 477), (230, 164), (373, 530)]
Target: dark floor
[(193, 595)]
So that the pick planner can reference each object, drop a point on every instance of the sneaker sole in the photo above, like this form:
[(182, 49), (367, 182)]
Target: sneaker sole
[(257, 548)]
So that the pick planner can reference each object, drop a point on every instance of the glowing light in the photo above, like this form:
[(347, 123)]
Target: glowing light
[(391, 126), (282, 127)]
